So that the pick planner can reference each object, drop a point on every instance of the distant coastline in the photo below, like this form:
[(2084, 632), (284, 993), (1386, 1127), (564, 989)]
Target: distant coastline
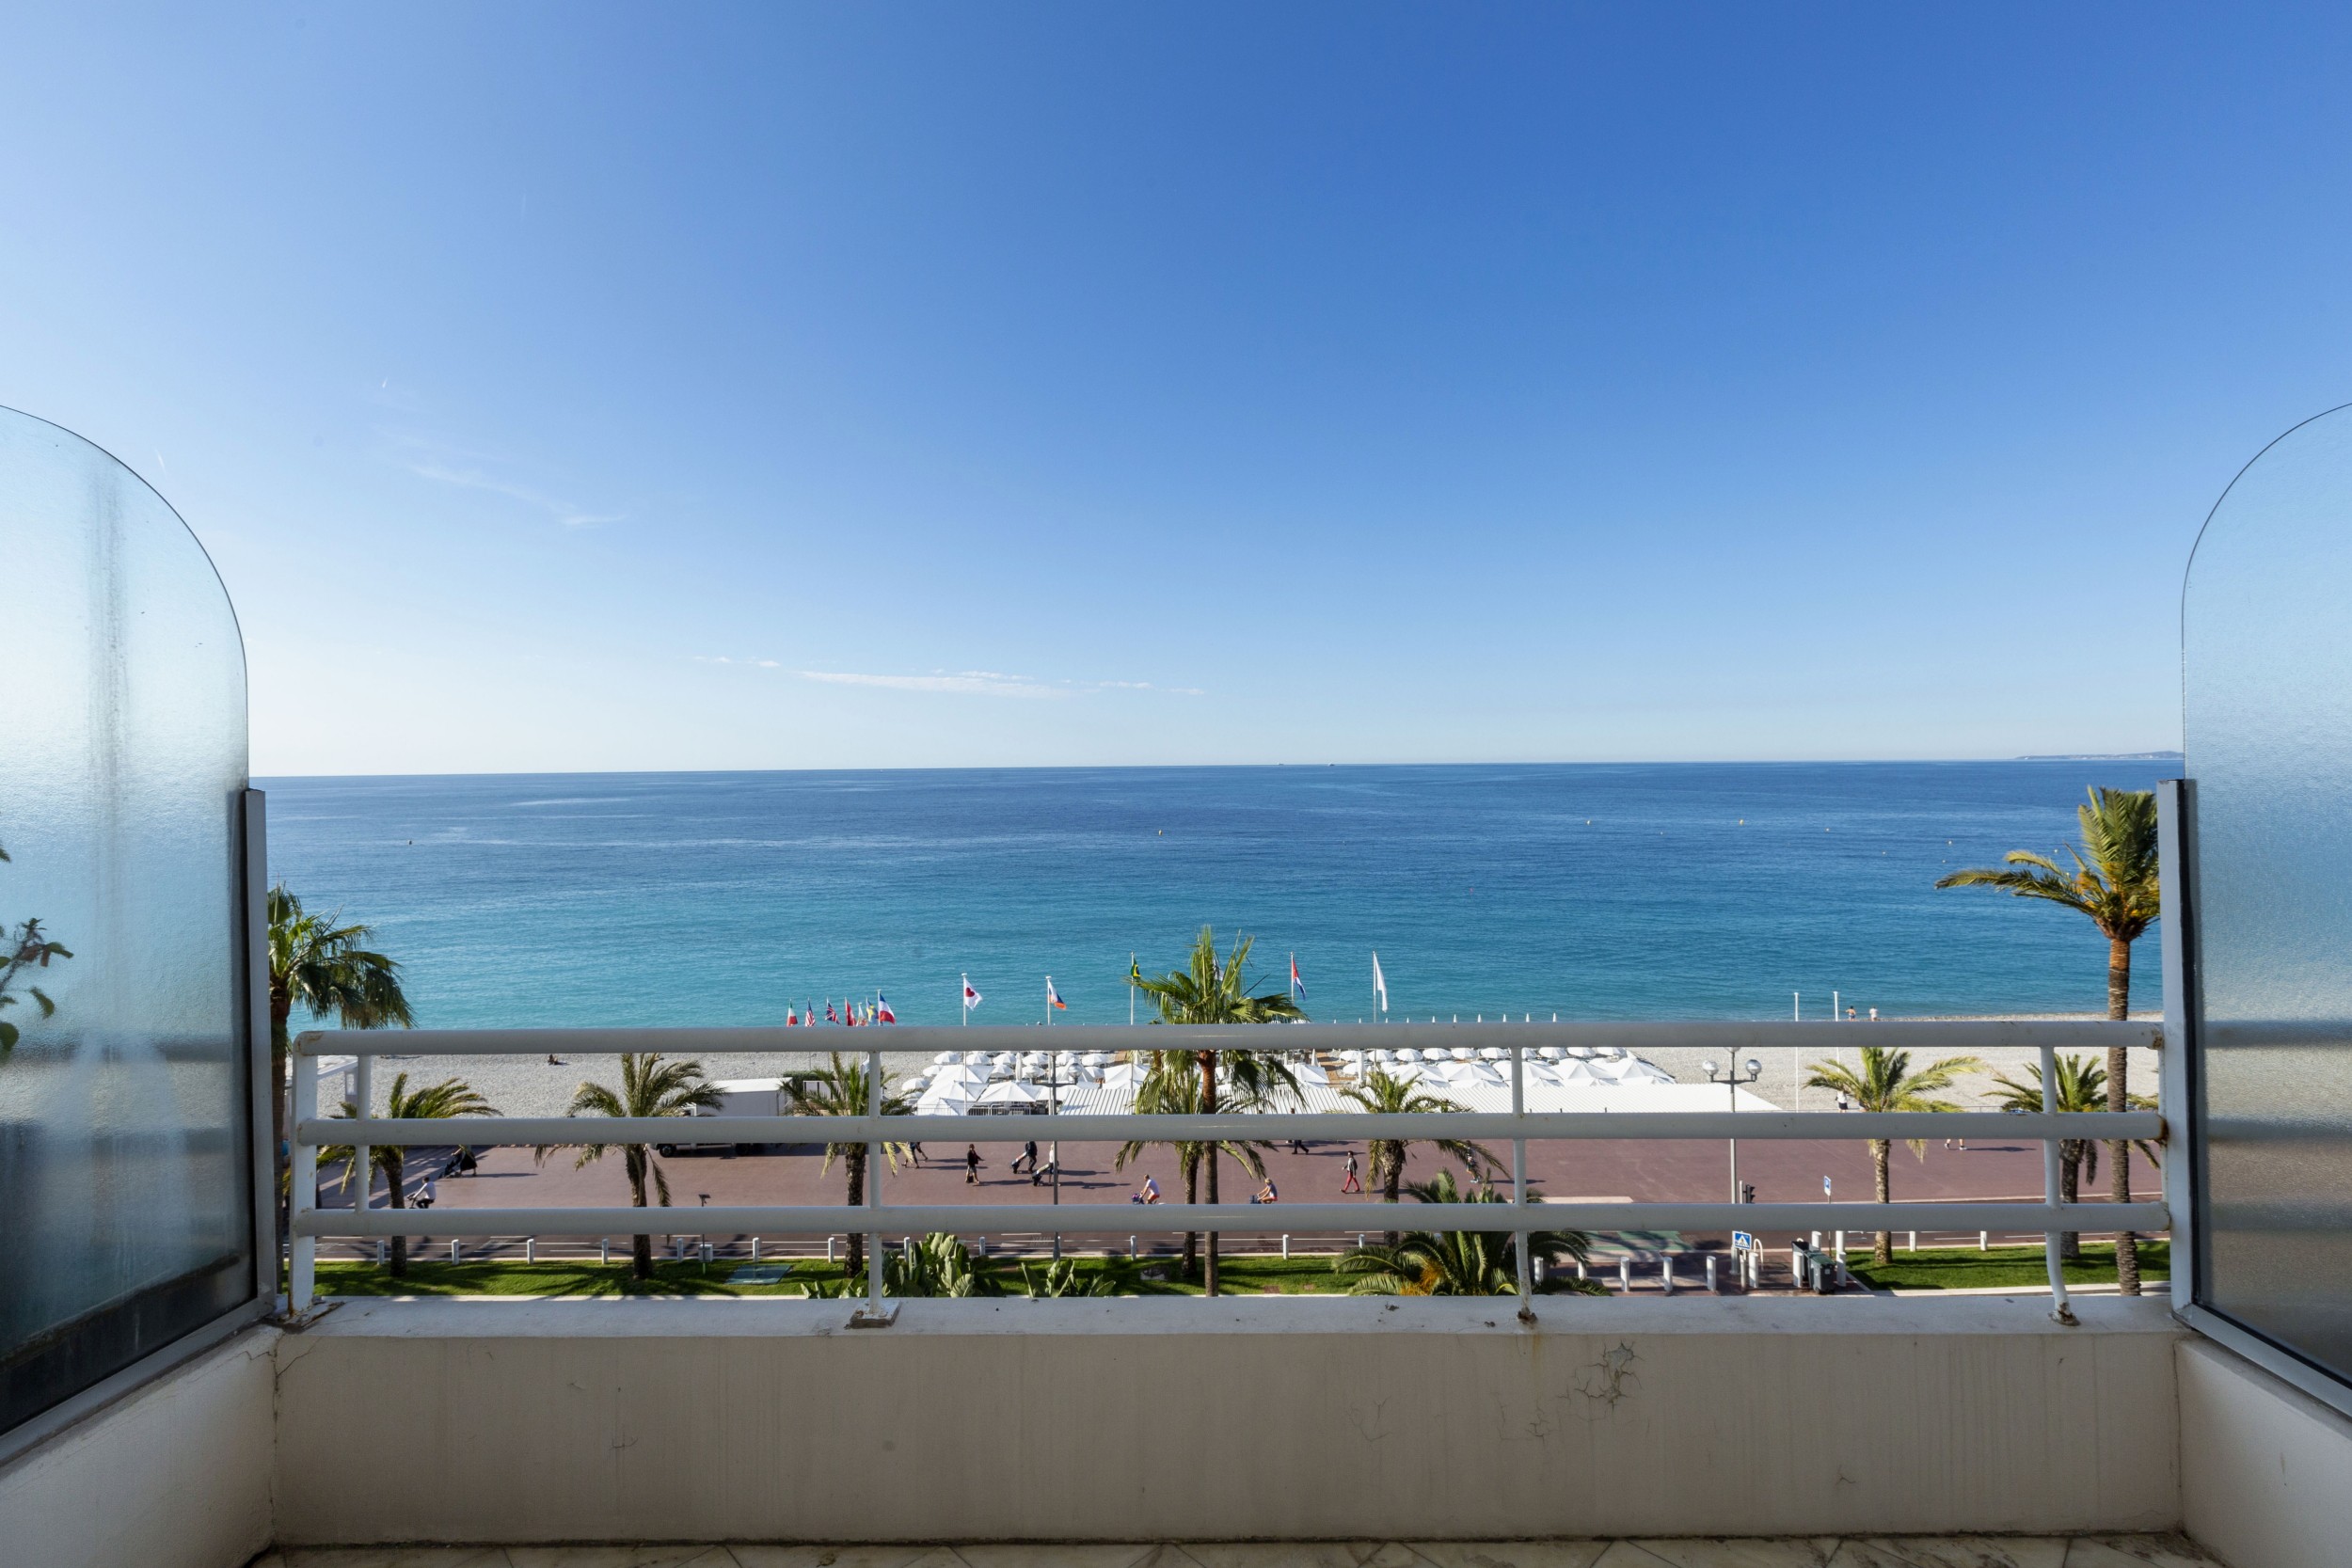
[(2108, 757)]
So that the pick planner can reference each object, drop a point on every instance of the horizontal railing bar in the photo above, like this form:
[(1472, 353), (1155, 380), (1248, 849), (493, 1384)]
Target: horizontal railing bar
[(1107, 1218), (1337, 1126), (1936, 1035)]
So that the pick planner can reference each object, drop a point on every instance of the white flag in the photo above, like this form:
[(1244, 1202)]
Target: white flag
[(1379, 986)]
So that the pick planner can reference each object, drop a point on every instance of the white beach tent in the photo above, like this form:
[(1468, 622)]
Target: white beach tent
[(1010, 1093)]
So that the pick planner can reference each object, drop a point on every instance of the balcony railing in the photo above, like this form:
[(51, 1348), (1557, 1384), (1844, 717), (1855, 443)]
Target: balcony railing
[(878, 1219)]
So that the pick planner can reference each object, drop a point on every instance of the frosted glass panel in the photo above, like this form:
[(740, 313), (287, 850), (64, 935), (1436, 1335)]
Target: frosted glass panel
[(2267, 673), (124, 1161)]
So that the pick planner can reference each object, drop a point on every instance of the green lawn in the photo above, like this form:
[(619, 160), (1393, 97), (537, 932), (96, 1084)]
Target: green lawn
[(1965, 1268)]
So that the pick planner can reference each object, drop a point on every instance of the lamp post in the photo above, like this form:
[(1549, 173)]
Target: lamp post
[(1731, 1077), (1053, 1146)]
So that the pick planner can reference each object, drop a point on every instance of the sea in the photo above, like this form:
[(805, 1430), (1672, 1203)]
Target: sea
[(1724, 891)]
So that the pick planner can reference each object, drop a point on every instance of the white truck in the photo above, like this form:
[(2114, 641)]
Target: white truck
[(738, 1096)]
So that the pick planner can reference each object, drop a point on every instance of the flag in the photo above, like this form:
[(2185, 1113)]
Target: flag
[(791, 1019), (1135, 971), (881, 1009), (1299, 986), (1379, 986), (1053, 997), (971, 997), (831, 1017)]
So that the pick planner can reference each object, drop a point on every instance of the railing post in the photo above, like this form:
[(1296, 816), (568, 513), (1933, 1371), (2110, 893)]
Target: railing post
[(364, 1102), (875, 1314), (303, 1195), (2060, 1310), (1518, 1185)]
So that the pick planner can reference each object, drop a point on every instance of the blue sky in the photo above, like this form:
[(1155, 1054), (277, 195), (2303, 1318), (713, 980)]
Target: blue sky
[(628, 388)]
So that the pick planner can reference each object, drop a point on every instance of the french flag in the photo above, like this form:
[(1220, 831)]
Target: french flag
[(881, 1009)]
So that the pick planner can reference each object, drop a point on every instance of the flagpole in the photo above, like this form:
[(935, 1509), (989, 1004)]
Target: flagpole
[(963, 999), (1131, 987)]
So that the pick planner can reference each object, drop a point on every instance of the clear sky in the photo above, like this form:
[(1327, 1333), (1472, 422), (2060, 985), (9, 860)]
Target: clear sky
[(576, 387)]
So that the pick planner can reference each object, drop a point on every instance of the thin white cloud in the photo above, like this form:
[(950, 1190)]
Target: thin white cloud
[(562, 511), (971, 683)]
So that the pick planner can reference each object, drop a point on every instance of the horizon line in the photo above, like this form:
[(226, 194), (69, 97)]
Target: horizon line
[(1258, 766)]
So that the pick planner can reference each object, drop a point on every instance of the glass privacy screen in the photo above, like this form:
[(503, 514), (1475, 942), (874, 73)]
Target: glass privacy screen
[(125, 1212), (2267, 684)]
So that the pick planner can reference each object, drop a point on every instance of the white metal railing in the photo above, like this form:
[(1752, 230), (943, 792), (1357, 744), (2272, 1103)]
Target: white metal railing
[(877, 1220)]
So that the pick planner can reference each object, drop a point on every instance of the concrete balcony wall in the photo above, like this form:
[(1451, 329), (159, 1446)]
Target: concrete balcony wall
[(176, 1474), (547, 1421), (2266, 1468)]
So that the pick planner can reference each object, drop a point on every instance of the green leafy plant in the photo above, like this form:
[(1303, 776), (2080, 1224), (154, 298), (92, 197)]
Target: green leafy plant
[(840, 1089), (2115, 885), (1063, 1278), (1170, 1088), (1216, 991), (1451, 1262), (1385, 1094), (26, 947), (938, 1265), (649, 1087), (1886, 1083), (451, 1097)]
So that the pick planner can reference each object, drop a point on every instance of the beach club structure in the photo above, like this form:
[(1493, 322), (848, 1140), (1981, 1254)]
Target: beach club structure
[(175, 1392)]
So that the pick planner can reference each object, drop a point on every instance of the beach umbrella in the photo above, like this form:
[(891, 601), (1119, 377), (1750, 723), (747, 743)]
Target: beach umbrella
[(1493, 1053), (946, 1057), (1407, 1055)]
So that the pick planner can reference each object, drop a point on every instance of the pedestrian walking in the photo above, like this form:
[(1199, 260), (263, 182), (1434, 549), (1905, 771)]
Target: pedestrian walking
[(1027, 1157), (1348, 1182), (971, 1164)]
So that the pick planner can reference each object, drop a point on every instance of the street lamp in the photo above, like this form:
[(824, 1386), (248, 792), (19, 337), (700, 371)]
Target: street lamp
[(1731, 1078)]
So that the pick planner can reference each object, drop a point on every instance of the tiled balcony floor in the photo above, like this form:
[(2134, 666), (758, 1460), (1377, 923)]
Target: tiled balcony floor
[(1916, 1551)]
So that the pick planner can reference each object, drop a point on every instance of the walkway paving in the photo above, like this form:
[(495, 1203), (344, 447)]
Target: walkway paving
[(2115, 1551)]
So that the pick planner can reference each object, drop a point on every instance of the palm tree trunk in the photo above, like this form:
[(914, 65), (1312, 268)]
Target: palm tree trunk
[(2070, 1189), (1208, 1107), (1881, 1149), (1392, 1180), (855, 1164), (399, 1174), (640, 1248), (2119, 1100), (1192, 1237)]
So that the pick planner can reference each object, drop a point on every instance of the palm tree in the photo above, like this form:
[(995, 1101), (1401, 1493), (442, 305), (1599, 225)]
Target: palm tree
[(840, 1089), (2114, 883), (1452, 1263), (449, 1097), (1384, 1094), (649, 1087), (1884, 1084), (1170, 1089), (2082, 1085), (326, 967), (1211, 991), (26, 947)]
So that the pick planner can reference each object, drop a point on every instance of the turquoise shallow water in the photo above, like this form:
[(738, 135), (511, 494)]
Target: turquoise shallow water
[(1636, 890)]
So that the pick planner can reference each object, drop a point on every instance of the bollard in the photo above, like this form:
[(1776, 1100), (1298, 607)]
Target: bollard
[(531, 1249), (1915, 1240), (1625, 1275), (1539, 1272), (983, 1247), (829, 1240), (1359, 1241), (453, 1249), (708, 1253), (754, 1250), (1816, 1242), (1132, 1250), (1666, 1274), (1984, 1241), (1712, 1289), (1582, 1272), (1841, 1248), (1286, 1249), (604, 1249), (383, 1251)]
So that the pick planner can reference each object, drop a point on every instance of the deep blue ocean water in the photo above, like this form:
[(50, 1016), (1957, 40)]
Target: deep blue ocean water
[(1633, 891)]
